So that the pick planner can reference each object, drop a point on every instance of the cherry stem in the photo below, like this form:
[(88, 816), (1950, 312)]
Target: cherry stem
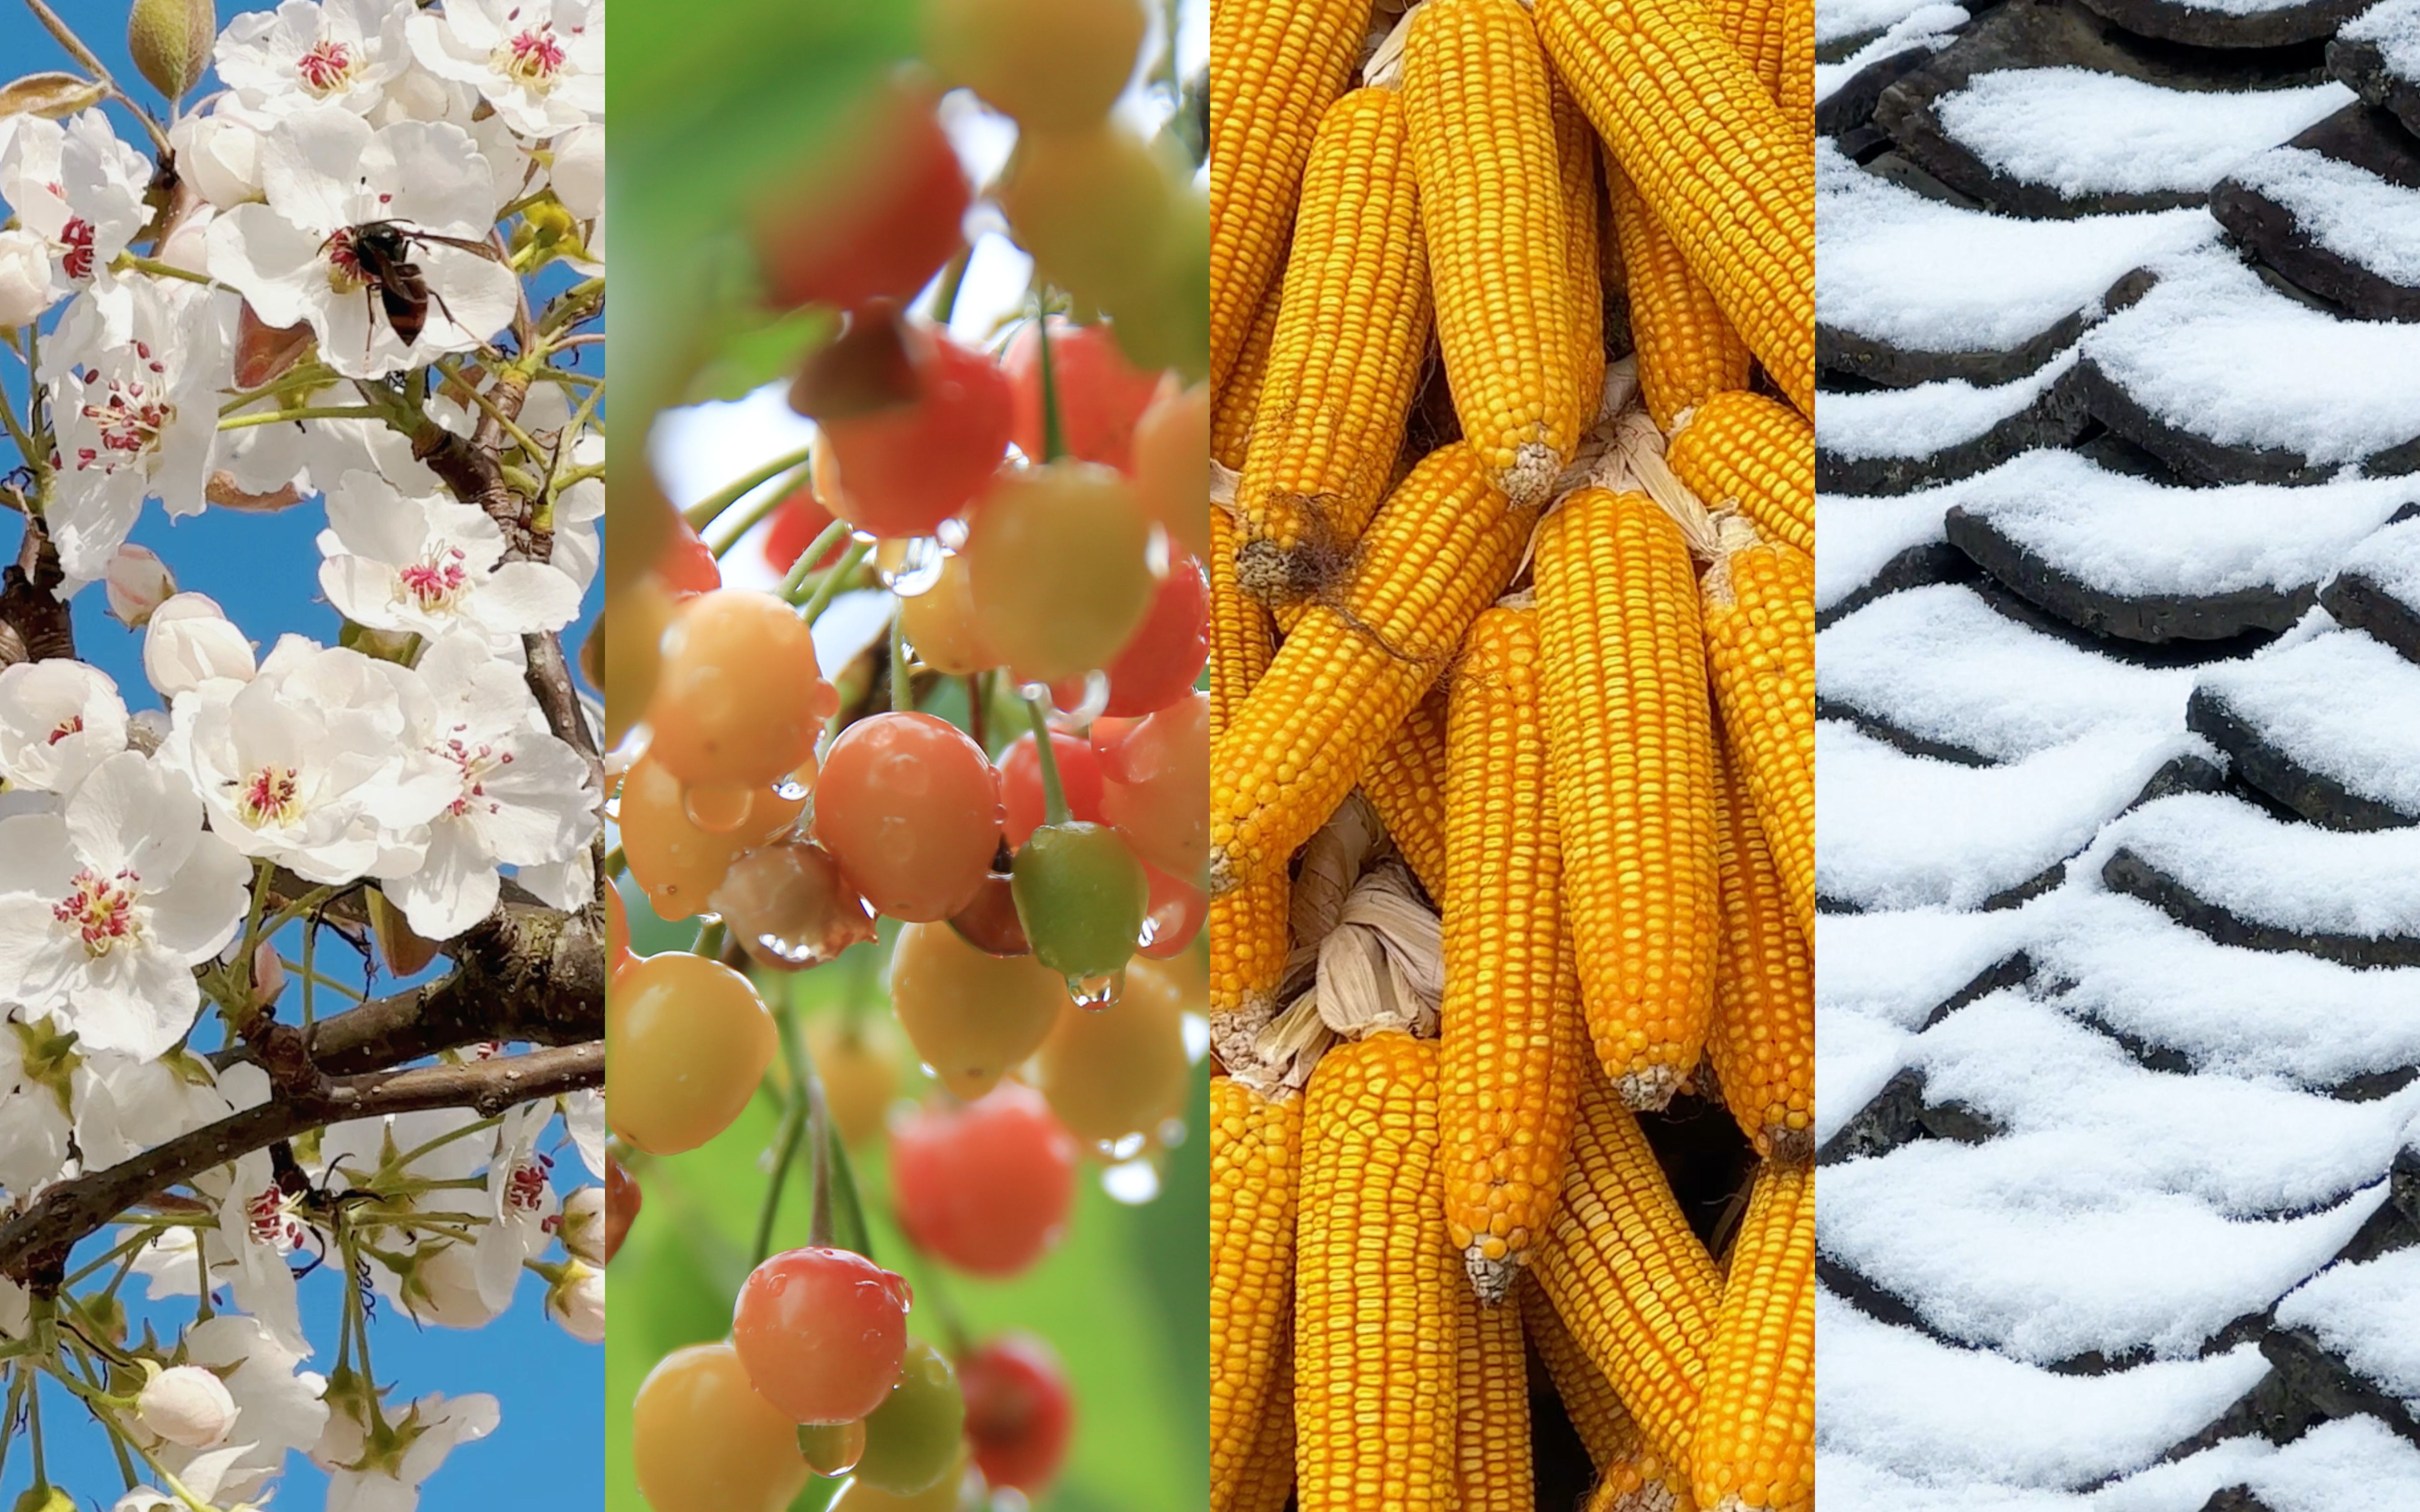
[(703, 513), (975, 710), (804, 567), (1054, 440), (1054, 797), (828, 588), (954, 277), (903, 681)]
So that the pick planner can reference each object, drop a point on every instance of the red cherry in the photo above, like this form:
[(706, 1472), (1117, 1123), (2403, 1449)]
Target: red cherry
[(1174, 914), (1020, 783), (1154, 772), (985, 1185), (821, 1332), (904, 469), (622, 1197), (911, 809), (1020, 1413), (1100, 397), (877, 217), (687, 565), (797, 519), (1163, 659)]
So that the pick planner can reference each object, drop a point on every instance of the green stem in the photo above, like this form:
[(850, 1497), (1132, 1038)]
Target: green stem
[(159, 270), (1054, 797), (828, 588), (1054, 444), (702, 514), (751, 515), (709, 940), (954, 277), (616, 862), (804, 568), (333, 412)]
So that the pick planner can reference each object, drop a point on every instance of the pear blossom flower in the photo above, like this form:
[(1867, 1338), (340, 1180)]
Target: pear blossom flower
[(58, 721), (326, 172), (218, 152), (190, 641), (522, 1203), (25, 289), (430, 565), (390, 1481), (187, 1406), (247, 1251), (277, 1407), (33, 1128), (517, 796), (77, 187), (578, 1303), (343, 52), (106, 910), (540, 63)]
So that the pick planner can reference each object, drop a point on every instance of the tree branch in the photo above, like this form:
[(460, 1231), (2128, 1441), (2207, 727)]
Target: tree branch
[(29, 601), (34, 1245)]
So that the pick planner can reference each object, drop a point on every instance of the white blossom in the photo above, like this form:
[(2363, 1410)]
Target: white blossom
[(105, 909), (277, 1407), (392, 1483), (522, 1203), (58, 721), (77, 187), (25, 289), (187, 1406), (326, 172), (541, 63), (190, 641), (578, 1303), (138, 582), (33, 1128), (344, 52), (431, 564)]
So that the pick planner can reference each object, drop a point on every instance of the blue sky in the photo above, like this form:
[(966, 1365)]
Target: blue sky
[(548, 1452)]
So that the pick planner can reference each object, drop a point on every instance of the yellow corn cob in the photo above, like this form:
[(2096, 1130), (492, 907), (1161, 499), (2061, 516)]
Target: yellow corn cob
[(1406, 783), (1255, 1150), (1352, 326), (1625, 1274), (1274, 65), (1630, 742), (1438, 551), (1376, 1305), (1482, 135), (1687, 349), (1248, 928), (1754, 28), (1231, 406), (1759, 620), (1265, 1483), (1763, 1040), (1583, 200), (1492, 1420), (1512, 1057), (1239, 628), (1795, 90), (1754, 1448), (1745, 450), (1629, 1477), (1719, 164)]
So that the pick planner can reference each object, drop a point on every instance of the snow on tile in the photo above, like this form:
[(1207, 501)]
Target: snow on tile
[(2343, 705), (1856, 537), (1899, 967), (1837, 21), (1907, 1405), (1855, 1483), (1921, 275), (1928, 26), (2132, 536), (2395, 26), (1927, 419), (1899, 831), (2357, 1456), (1856, 1058), (2257, 1014), (2368, 1315), (2247, 1148), (2390, 558), (2084, 133), (2288, 876), (1940, 663), (2047, 1245), (2343, 208), (2214, 351), (2185, 1485)]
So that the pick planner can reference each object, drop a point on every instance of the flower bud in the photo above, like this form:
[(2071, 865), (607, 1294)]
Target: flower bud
[(268, 974), (584, 1225), (578, 1303), (219, 155), (138, 582), (188, 643), (24, 277), (171, 41), (187, 1406)]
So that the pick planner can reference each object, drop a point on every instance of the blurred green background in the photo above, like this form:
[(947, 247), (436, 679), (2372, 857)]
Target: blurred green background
[(1123, 1300)]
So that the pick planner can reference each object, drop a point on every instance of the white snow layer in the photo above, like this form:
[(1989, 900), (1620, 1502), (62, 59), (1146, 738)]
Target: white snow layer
[(1898, 967), (1939, 662), (1928, 1411), (2289, 876), (1899, 831), (2342, 705), (2345, 209), (2395, 26), (2368, 1315), (2257, 1013), (2133, 536), (1927, 26), (2390, 559), (2083, 134), (2214, 351), (1856, 535), (1920, 275), (1839, 20), (1927, 418)]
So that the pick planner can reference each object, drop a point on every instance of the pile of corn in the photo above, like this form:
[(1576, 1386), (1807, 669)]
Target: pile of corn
[(1513, 351)]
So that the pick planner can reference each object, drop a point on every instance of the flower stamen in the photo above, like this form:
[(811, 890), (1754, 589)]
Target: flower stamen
[(101, 911)]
